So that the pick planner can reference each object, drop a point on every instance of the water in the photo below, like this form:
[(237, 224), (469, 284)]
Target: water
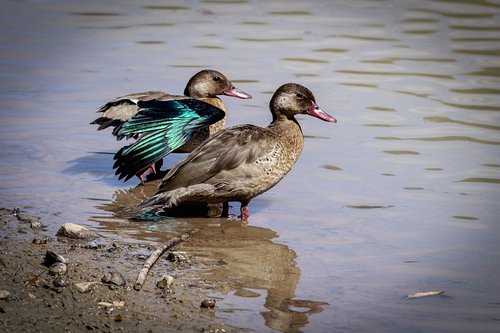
[(401, 195)]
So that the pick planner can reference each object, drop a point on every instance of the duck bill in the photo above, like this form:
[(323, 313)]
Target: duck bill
[(315, 111), (235, 92)]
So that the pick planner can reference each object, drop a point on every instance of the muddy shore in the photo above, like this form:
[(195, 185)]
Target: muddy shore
[(224, 258), (31, 303)]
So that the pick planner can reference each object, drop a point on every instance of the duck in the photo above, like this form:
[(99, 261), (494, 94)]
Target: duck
[(164, 123), (241, 162)]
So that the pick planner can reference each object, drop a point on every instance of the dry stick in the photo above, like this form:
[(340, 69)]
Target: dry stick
[(157, 253)]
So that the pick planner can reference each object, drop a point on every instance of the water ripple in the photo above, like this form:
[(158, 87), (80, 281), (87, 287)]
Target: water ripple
[(494, 52), (401, 152), (394, 59), (335, 50), (452, 14), (487, 91), (465, 123), (292, 12), (369, 206), (159, 7), (475, 28), (95, 14), (331, 167), (269, 39), (441, 139), (481, 180), (486, 71), (439, 76), (370, 38), (310, 60), (471, 106)]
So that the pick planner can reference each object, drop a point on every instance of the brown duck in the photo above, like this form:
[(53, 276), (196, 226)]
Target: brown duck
[(241, 162), (165, 123)]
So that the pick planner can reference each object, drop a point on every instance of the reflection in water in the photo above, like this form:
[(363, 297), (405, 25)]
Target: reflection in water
[(239, 259), (253, 262)]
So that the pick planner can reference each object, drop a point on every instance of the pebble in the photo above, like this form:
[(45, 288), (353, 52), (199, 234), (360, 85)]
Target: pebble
[(165, 282), (58, 268), (40, 241), (92, 245), (51, 258), (177, 256), (208, 303), (75, 231), (60, 282), (4, 294), (114, 278), (36, 224), (84, 287)]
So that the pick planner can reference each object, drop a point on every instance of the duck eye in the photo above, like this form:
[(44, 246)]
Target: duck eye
[(299, 95), (216, 78)]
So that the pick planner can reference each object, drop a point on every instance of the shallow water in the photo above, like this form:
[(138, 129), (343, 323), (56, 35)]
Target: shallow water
[(401, 195)]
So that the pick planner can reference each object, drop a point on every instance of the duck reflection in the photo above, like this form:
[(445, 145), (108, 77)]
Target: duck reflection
[(246, 258), (237, 258)]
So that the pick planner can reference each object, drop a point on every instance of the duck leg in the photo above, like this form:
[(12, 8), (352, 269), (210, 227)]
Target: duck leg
[(225, 209), (143, 175), (151, 170), (244, 211)]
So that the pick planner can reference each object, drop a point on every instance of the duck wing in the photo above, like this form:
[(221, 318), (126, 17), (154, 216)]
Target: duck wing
[(162, 127), (121, 109), (227, 157)]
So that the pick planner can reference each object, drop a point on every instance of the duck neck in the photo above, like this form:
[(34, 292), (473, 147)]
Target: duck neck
[(289, 133), (282, 120), (214, 101)]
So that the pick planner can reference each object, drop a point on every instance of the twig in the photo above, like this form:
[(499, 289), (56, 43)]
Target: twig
[(17, 270), (157, 253)]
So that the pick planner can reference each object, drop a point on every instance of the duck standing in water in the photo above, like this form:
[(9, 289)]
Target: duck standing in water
[(241, 162), (165, 123)]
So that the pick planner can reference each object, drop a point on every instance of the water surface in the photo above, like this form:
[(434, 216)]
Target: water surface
[(401, 195)]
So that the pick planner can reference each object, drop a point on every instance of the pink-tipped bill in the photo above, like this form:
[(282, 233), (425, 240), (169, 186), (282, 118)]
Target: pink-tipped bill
[(235, 92), (315, 111)]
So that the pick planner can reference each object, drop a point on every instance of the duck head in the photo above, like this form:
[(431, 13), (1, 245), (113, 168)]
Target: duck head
[(209, 83), (291, 99)]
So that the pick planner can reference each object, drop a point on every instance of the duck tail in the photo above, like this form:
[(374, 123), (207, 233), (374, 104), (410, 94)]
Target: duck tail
[(169, 199), (165, 199)]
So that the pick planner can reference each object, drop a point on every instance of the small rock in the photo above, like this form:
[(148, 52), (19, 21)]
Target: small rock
[(114, 247), (92, 245), (114, 278), (84, 287), (36, 224), (40, 241), (208, 303), (118, 304), (51, 258), (177, 256), (60, 282), (105, 304), (58, 268), (4, 294), (165, 282), (75, 231)]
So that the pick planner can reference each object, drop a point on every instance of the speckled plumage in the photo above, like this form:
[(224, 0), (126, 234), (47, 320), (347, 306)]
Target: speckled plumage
[(241, 162)]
